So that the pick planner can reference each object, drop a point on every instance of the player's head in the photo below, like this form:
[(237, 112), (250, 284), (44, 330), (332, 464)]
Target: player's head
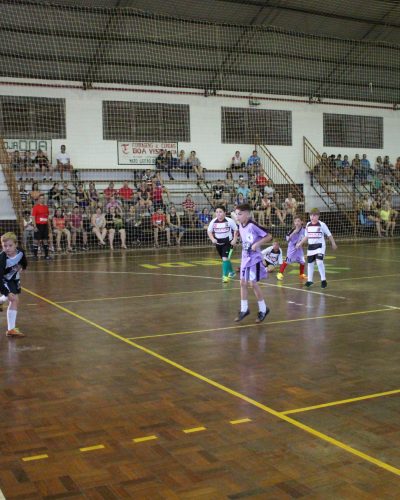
[(41, 199), (243, 212), (220, 212), (275, 244), (9, 243), (314, 214), (297, 220)]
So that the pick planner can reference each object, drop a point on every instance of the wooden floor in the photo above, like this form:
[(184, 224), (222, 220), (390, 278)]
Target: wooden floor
[(134, 381)]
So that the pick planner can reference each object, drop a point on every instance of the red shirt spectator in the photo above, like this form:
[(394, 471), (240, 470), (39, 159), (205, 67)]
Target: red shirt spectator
[(261, 181), (41, 214), (188, 204), (126, 192), (158, 219), (109, 191)]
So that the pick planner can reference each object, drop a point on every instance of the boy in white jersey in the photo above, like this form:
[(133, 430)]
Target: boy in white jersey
[(223, 232), (272, 257), (316, 231)]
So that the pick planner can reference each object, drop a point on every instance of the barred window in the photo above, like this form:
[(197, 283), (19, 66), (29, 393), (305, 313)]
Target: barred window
[(146, 121), (256, 126), (32, 117), (353, 131)]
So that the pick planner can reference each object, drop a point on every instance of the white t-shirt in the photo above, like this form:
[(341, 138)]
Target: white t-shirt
[(271, 257), (224, 229), (63, 158)]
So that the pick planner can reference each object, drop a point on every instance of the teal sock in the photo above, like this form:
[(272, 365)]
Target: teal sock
[(230, 268), (225, 267)]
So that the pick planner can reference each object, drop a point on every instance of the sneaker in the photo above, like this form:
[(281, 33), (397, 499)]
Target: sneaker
[(279, 276), (225, 279), (303, 277), (324, 284), (242, 315), (14, 333), (262, 315), (308, 284), (232, 274), (47, 257)]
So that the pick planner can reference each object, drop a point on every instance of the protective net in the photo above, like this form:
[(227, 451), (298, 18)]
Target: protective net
[(128, 121)]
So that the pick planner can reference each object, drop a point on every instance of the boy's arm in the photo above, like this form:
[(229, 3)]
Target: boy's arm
[(333, 242), (302, 241), (261, 242)]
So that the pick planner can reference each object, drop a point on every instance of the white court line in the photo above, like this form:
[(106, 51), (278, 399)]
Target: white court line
[(2, 497)]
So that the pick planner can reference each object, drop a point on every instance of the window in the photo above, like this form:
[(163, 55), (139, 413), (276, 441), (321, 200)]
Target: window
[(256, 126), (145, 121), (32, 117), (353, 131)]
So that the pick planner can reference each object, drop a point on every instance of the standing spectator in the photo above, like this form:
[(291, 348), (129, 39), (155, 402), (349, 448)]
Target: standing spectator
[(237, 162), (159, 223), (76, 225), (64, 162), (59, 226), (174, 223), (126, 194), (347, 173), (40, 217), (29, 229), (99, 226), (169, 164), (254, 162), (23, 195), (189, 209), (195, 165)]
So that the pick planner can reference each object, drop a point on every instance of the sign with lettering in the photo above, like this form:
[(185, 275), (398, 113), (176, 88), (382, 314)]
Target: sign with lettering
[(143, 153), (31, 145)]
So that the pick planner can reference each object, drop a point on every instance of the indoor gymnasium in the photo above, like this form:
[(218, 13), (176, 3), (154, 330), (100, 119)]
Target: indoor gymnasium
[(199, 219)]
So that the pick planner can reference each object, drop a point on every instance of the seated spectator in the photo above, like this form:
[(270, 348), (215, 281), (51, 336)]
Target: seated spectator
[(269, 190), (339, 166), (356, 166), (42, 164), (174, 224), (388, 169), (27, 164), (115, 203), (240, 199), (64, 162), (126, 194), (158, 193), (54, 196), (93, 195), (98, 222), (29, 230), (35, 193), (261, 181), (67, 195), (277, 209), (244, 190), (169, 164), (159, 224), (59, 228), (290, 205), (256, 204), (217, 192), (144, 195), (229, 187), (82, 197), (189, 209), (195, 165), (265, 214), (237, 162), (254, 162), (77, 227), (205, 218), (109, 192), (365, 169), (397, 169), (161, 160), (16, 162), (134, 224), (115, 224), (181, 163), (23, 195), (347, 172)]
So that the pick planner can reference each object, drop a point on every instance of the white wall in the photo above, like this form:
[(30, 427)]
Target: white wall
[(88, 150)]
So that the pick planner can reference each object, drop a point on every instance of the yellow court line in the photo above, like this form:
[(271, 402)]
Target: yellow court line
[(35, 457), (143, 439), (280, 322), (240, 421), (232, 392), (92, 448), (342, 402), (194, 429)]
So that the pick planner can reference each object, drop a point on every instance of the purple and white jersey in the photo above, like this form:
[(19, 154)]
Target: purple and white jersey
[(295, 254), (250, 234)]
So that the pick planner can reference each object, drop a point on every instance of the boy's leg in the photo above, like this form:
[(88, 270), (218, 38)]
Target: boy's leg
[(321, 269), (279, 275), (12, 318), (310, 270), (263, 310), (244, 303)]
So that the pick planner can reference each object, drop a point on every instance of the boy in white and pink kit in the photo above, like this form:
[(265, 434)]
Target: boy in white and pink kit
[(252, 269)]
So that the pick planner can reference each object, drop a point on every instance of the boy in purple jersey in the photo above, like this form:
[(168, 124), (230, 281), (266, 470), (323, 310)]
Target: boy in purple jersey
[(294, 254), (253, 237)]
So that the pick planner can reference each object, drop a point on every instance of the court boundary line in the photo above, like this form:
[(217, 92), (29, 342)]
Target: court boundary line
[(283, 321), (310, 430), (341, 402)]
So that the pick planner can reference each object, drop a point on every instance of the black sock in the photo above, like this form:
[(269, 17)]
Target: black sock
[(35, 249), (46, 250)]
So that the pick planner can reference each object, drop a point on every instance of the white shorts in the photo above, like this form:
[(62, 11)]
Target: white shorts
[(256, 272)]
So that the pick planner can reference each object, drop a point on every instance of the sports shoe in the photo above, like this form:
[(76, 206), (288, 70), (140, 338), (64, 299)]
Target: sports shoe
[(262, 315), (279, 276), (232, 274), (308, 284), (242, 315), (324, 284), (303, 276), (14, 333), (225, 279)]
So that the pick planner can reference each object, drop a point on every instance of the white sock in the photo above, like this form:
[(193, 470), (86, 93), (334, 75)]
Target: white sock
[(11, 318), (244, 305), (310, 271), (262, 306), (321, 269)]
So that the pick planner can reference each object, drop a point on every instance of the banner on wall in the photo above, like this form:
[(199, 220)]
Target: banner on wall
[(31, 145), (143, 153)]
